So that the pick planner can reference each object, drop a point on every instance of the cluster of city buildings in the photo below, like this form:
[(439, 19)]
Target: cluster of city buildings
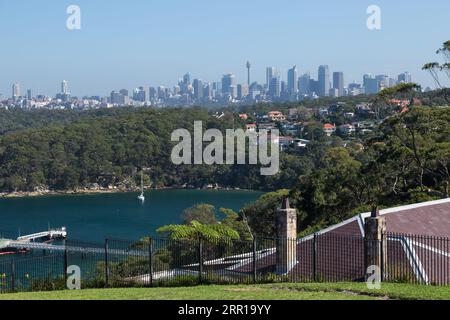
[(227, 91)]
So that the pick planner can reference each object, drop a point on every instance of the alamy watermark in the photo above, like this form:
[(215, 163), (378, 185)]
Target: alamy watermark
[(73, 278), (74, 19), (263, 148), (373, 278), (374, 19)]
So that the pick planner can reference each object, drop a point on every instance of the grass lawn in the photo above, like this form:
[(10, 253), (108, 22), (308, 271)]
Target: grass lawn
[(325, 291)]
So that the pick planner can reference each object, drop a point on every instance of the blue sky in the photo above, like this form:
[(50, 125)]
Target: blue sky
[(124, 44)]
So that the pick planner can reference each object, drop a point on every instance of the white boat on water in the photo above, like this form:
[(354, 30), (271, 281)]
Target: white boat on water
[(141, 197)]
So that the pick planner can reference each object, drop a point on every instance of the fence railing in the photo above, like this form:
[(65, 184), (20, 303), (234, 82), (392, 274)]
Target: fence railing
[(164, 262)]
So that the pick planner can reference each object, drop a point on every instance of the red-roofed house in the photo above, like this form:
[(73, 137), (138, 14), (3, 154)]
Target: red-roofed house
[(276, 116), (329, 129)]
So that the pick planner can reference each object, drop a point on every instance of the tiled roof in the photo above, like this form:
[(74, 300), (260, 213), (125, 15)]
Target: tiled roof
[(340, 248)]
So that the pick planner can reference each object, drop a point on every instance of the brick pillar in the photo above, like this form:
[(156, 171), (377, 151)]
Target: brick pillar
[(376, 242), (286, 238)]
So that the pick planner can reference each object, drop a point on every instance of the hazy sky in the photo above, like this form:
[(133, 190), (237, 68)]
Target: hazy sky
[(125, 44)]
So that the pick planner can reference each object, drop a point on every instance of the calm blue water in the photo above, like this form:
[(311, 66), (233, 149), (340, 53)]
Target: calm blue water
[(94, 217)]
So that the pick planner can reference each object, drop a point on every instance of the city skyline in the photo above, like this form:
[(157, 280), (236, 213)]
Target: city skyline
[(194, 91), (328, 83), (127, 45)]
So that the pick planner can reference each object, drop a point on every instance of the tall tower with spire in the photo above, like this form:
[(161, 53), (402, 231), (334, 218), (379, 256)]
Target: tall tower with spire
[(248, 72)]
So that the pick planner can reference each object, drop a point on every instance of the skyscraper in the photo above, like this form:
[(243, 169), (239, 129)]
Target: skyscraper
[(304, 84), (383, 80), (324, 81), (29, 95), (242, 91), (338, 82), (270, 73), (187, 79), (140, 94), (207, 91), (314, 86), (371, 84), (228, 80), (64, 87), (15, 91), (405, 77), (198, 89), (292, 80), (117, 98), (275, 87)]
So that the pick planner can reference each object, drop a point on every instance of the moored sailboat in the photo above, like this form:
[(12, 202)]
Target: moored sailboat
[(141, 197)]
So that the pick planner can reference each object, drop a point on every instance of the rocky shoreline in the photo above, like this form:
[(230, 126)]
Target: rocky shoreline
[(100, 190)]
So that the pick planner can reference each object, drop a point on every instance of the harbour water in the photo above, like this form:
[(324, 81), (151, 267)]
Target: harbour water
[(92, 218)]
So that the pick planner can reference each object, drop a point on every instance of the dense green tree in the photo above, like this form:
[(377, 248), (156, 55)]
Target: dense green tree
[(203, 213)]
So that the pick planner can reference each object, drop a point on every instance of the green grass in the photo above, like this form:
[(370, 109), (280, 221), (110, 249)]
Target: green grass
[(325, 291)]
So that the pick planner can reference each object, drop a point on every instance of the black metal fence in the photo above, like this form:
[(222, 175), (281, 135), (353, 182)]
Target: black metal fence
[(163, 262)]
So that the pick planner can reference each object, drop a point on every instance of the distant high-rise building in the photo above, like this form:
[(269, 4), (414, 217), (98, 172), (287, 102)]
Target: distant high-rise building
[(283, 88), (355, 89), (371, 84), (198, 89), (304, 84), (152, 93), (29, 95), (292, 81), (270, 73), (187, 79), (338, 83), (208, 91), (117, 98), (242, 91), (405, 77), (162, 93), (140, 94), (334, 93), (228, 81), (366, 77), (324, 81), (314, 86), (275, 87), (217, 86), (64, 87), (15, 91), (124, 92), (392, 82), (233, 91), (383, 81)]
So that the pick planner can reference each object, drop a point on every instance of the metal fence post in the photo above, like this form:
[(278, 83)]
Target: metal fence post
[(150, 259), (13, 276), (382, 251), (255, 280), (106, 264), (200, 262), (315, 257), (66, 263)]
